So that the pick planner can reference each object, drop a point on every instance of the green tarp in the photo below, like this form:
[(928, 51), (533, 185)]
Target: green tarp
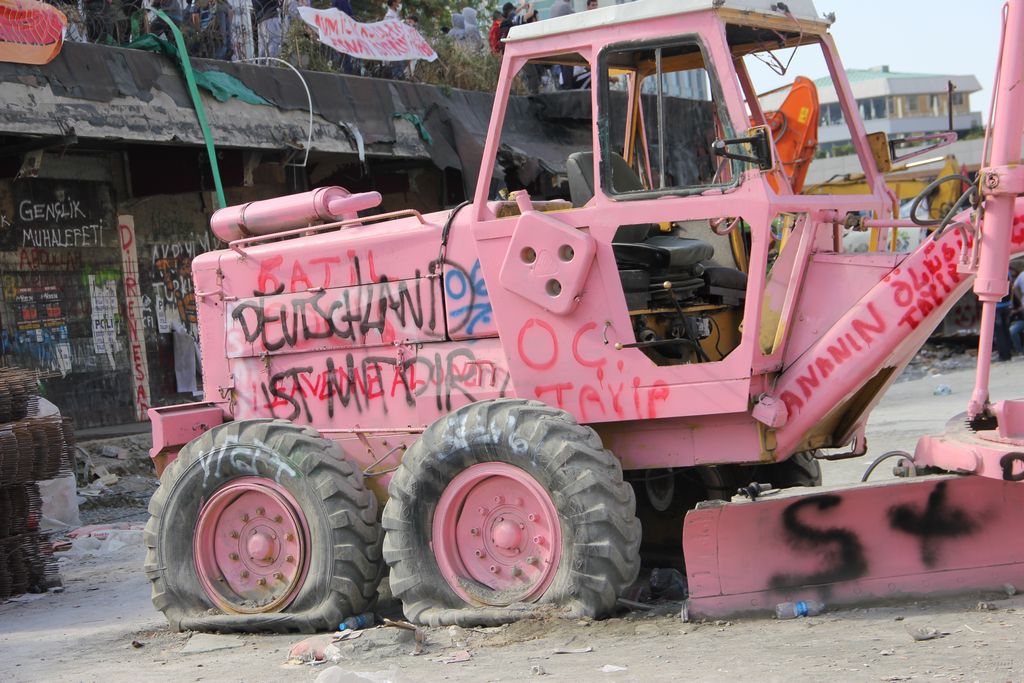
[(219, 84)]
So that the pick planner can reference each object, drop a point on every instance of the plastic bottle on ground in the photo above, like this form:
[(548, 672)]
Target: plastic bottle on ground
[(357, 622), (792, 610)]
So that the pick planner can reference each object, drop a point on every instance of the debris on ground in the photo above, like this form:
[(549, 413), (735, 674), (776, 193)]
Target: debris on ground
[(310, 649), (1010, 589), (457, 656), (612, 668), (103, 539), (934, 360), (102, 531), (538, 670), (199, 643), (920, 633), (335, 674), (114, 474), (418, 634), (572, 651), (382, 641)]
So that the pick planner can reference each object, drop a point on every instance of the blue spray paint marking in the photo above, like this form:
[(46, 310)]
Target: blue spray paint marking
[(470, 290)]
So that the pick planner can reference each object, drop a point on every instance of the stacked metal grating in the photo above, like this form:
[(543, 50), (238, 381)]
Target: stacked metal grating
[(33, 448)]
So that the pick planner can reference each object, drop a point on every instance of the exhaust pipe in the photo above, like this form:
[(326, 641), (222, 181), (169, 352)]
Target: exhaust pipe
[(268, 216)]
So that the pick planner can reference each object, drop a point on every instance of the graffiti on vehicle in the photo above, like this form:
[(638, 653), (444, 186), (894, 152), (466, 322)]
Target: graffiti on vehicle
[(376, 382), (844, 557), (370, 314), (614, 392), (467, 298)]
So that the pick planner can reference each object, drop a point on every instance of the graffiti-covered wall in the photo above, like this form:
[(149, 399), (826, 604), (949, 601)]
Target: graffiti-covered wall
[(100, 323), (59, 309), (171, 230)]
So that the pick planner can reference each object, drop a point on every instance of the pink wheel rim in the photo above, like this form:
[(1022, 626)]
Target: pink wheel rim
[(250, 546), (496, 535)]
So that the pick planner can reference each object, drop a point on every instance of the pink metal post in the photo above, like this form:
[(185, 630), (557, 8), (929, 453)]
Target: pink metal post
[(991, 282)]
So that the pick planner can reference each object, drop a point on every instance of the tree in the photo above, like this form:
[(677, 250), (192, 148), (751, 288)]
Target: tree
[(432, 14)]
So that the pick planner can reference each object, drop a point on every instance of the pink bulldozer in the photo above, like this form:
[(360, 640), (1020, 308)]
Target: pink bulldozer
[(515, 404)]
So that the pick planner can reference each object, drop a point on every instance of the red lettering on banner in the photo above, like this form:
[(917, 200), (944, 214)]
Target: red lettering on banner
[(388, 40)]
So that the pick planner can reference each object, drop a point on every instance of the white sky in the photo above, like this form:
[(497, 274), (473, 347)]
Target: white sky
[(953, 37)]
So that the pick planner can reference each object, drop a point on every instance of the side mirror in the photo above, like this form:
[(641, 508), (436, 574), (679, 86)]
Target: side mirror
[(758, 143)]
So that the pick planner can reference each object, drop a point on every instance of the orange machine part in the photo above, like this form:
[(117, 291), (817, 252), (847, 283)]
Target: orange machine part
[(794, 128), (31, 32)]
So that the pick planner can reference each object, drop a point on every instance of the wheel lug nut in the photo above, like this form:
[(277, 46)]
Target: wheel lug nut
[(478, 553), (244, 574), (538, 539), (289, 559), (516, 571), (474, 531), (499, 499), (278, 519), (245, 518), (233, 556), (289, 537), (234, 534), (532, 517), (279, 576), (494, 569), (482, 510), (521, 525), (531, 560), (261, 581), (259, 512)]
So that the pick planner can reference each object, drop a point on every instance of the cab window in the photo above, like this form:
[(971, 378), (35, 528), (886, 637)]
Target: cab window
[(662, 107)]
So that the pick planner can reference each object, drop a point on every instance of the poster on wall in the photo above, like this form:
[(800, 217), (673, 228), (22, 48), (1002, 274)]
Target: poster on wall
[(103, 297), (40, 323)]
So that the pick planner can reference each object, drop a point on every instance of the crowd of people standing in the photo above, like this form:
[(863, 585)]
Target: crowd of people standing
[(243, 30), (219, 29)]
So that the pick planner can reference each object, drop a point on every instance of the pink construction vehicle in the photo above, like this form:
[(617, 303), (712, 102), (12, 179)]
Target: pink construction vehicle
[(512, 404)]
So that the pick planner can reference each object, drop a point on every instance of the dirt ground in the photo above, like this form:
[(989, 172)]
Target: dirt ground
[(102, 627)]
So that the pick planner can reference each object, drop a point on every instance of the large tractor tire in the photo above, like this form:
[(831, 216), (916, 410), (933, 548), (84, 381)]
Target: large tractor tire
[(800, 469), (262, 525), (503, 506)]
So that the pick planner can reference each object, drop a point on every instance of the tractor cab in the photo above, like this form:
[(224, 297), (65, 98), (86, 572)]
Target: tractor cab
[(678, 202)]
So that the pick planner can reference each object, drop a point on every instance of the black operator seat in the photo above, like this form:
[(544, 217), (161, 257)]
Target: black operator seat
[(641, 245)]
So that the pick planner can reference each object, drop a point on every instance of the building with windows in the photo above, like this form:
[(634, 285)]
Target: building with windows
[(896, 103)]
